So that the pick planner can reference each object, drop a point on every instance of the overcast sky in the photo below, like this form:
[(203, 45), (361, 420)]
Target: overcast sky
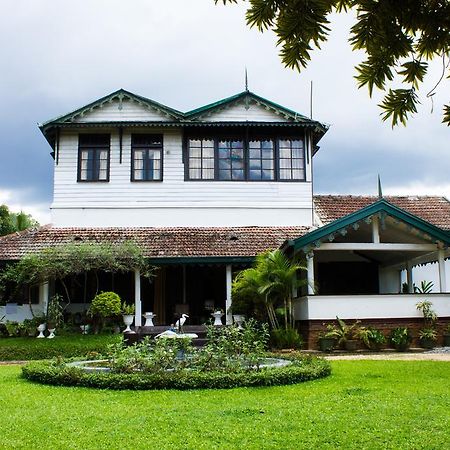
[(58, 55)]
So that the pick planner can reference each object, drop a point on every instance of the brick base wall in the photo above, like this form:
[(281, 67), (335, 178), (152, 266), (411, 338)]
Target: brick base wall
[(310, 329)]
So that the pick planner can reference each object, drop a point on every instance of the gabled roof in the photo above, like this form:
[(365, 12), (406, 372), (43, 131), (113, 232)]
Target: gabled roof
[(120, 95), (313, 238), (433, 209)]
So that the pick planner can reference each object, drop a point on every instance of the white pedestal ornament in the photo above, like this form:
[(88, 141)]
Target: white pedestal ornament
[(41, 328), (149, 316), (217, 318), (52, 333), (128, 320)]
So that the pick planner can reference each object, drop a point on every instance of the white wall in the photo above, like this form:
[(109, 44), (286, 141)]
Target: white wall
[(242, 112), (368, 306), (172, 202), (389, 281)]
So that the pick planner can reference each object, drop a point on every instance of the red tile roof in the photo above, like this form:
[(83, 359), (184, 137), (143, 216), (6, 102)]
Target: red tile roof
[(435, 210), (156, 242)]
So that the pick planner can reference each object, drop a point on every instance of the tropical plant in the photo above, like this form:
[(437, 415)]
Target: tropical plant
[(428, 334), (104, 306), (371, 337), (426, 287), (401, 338), (343, 332), (11, 222), (429, 315), (281, 338), (271, 281), (54, 311), (398, 38), (128, 309)]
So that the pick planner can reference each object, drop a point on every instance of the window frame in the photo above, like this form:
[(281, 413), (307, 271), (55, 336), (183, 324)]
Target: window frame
[(95, 148), (245, 138), (135, 147)]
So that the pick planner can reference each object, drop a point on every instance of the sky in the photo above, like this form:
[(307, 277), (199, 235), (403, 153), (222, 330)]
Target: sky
[(58, 55)]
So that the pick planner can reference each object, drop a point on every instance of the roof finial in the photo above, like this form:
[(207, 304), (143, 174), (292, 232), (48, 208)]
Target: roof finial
[(246, 80), (380, 191)]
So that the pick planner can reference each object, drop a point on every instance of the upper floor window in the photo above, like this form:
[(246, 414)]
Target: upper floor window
[(265, 159), (93, 157), (146, 157)]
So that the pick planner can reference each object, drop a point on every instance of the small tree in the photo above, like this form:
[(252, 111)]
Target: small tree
[(104, 306)]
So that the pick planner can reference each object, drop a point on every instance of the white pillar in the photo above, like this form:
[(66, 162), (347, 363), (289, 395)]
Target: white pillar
[(310, 267), (409, 277), (375, 230), (229, 280), (441, 263), (43, 295), (137, 298)]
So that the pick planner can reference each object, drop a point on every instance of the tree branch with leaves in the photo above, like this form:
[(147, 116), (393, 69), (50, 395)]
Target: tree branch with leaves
[(399, 38)]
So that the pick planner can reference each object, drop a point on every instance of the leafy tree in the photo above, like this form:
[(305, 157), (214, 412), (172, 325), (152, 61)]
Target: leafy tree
[(11, 222), (399, 37)]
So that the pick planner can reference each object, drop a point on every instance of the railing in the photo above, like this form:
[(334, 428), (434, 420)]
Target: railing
[(325, 307)]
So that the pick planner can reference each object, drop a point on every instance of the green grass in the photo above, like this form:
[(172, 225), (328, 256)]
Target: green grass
[(362, 405), (23, 349)]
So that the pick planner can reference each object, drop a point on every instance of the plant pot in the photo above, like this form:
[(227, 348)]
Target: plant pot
[(446, 340), (326, 344), (41, 328), (238, 320), (149, 316), (217, 318), (128, 320), (351, 345), (85, 329), (427, 343), (52, 333)]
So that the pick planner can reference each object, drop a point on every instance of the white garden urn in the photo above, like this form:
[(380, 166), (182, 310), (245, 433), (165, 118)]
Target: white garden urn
[(217, 318), (85, 329), (149, 316), (41, 328), (238, 320), (128, 320), (52, 333)]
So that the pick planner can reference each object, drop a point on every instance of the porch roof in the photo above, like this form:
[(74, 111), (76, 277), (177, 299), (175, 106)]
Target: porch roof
[(165, 245), (380, 207)]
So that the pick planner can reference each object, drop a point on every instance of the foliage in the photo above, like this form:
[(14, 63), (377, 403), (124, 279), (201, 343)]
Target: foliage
[(271, 282), (429, 314), (11, 222), (54, 312), (26, 348), (281, 338), (426, 287), (105, 304), (373, 339), (343, 332), (55, 373), (57, 263), (128, 309), (428, 334), (401, 338), (398, 38)]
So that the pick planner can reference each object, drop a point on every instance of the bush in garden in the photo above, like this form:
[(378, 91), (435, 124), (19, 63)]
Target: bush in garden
[(104, 306)]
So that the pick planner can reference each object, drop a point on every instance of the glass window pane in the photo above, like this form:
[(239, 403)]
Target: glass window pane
[(208, 143), (238, 174), (195, 143), (297, 163), (285, 174), (195, 173), (237, 144), (266, 145), (284, 143), (208, 163), (208, 152), (297, 153), (224, 175), (254, 153), (224, 152), (297, 174), (254, 145), (285, 163), (195, 163), (255, 164), (224, 164), (285, 152), (297, 144), (267, 163), (267, 175), (255, 174), (208, 174)]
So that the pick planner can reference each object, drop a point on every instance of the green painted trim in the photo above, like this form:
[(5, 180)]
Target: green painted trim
[(202, 260), (121, 92), (378, 206)]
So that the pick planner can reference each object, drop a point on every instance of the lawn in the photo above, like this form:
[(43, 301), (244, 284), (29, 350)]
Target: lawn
[(363, 404), (77, 345)]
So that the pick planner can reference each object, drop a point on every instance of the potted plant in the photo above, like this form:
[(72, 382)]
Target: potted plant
[(54, 314), (447, 336), (346, 335), (128, 316), (327, 339), (401, 338), (372, 338), (428, 334), (104, 306), (427, 337)]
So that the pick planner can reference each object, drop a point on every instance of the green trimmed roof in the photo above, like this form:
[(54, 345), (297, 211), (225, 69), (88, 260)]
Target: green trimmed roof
[(312, 239)]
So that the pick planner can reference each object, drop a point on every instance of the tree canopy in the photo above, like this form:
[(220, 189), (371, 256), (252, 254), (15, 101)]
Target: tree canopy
[(399, 38), (11, 222)]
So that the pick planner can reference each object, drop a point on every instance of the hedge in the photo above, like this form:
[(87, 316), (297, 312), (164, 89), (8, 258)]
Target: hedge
[(76, 346), (63, 375)]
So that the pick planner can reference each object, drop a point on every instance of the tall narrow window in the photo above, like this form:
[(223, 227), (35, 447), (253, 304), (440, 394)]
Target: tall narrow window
[(146, 157), (201, 159), (93, 157), (231, 160), (261, 160), (291, 159)]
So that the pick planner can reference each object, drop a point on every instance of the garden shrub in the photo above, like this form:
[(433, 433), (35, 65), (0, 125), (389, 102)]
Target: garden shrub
[(281, 338), (57, 373)]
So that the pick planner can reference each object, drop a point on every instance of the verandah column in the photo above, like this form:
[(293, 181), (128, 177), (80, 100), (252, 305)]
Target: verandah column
[(229, 280), (43, 295), (310, 268), (441, 263), (409, 277), (137, 298)]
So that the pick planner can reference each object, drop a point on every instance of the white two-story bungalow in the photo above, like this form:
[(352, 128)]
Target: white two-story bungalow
[(203, 192)]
